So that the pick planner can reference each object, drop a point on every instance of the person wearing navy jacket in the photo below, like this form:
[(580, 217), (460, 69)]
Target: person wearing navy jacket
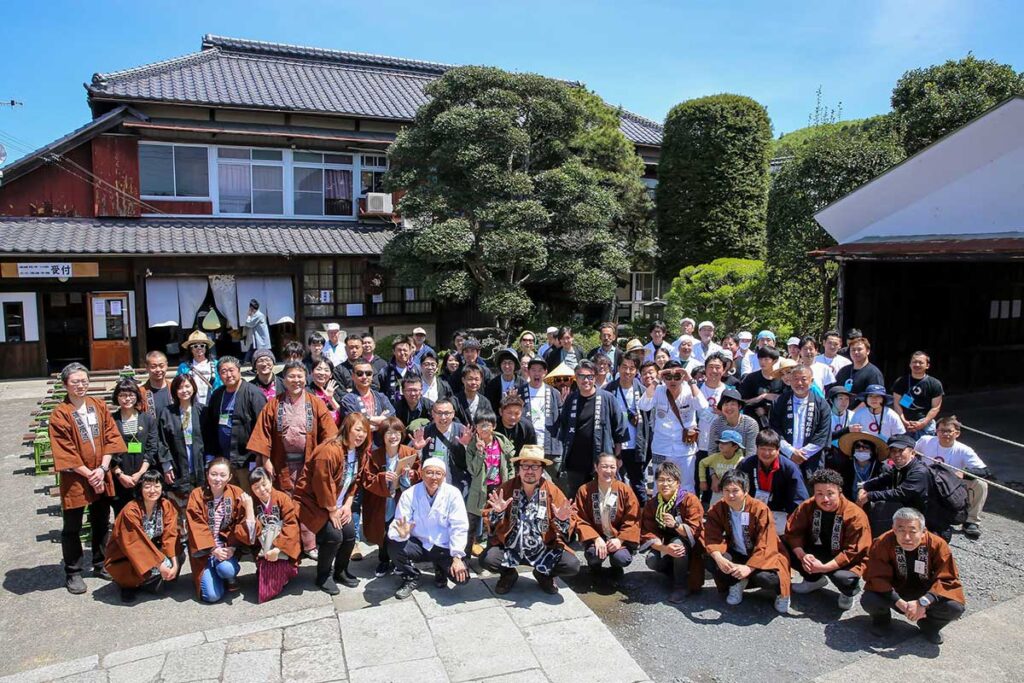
[(774, 480), (628, 390)]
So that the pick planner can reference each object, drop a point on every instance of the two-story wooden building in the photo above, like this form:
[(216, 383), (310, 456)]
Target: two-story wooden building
[(245, 170)]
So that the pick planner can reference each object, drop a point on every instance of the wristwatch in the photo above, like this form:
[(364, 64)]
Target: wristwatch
[(924, 601), (105, 468)]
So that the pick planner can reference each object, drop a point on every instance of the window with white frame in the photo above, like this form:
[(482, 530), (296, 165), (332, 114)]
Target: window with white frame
[(371, 177), (250, 180), (323, 184), (173, 171)]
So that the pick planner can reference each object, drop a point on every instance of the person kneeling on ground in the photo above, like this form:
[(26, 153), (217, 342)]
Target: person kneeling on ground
[(529, 522), (430, 525), (607, 519), (144, 546), (912, 571), (828, 538), (277, 547), (220, 520), (740, 537), (672, 527), (947, 449)]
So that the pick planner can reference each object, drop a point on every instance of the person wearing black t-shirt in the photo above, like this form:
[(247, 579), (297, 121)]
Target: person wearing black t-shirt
[(917, 397), (511, 423), (759, 389), (861, 373)]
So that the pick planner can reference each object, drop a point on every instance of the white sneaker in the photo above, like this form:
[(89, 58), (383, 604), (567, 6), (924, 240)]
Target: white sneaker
[(782, 605), (735, 596), (845, 601), (809, 586)]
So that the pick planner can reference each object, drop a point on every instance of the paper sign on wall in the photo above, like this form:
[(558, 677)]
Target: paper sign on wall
[(353, 310), (115, 307)]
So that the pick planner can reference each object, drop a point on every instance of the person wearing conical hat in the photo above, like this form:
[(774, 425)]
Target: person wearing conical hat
[(202, 368)]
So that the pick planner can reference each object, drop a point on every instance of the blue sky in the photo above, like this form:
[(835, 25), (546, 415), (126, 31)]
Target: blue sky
[(644, 55)]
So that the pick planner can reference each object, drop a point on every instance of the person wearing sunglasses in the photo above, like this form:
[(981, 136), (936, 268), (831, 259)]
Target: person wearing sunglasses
[(591, 423), (365, 399), (675, 404)]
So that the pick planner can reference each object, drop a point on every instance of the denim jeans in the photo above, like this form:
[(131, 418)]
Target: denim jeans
[(216, 574)]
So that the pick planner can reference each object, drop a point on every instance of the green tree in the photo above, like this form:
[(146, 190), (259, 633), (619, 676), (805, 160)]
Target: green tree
[(937, 100), (732, 292), (712, 181), (514, 181), (823, 169)]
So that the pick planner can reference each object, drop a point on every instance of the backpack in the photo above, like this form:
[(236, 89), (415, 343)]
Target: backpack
[(947, 499)]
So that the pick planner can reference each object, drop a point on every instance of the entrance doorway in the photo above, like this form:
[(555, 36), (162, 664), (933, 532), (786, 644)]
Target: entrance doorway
[(65, 329), (110, 344)]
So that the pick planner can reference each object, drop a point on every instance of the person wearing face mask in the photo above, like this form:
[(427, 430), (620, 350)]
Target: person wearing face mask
[(828, 539), (903, 484), (385, 473), (672, 531), (746, 358), (221, 519), (912, 571), (860, 458)]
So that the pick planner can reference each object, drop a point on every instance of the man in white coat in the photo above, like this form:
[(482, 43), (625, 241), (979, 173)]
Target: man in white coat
[(675, 404), (430, 525)]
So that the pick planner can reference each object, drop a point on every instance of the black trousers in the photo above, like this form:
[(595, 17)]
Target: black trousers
[(407, 553), (575, 480), (567, 564), (846, 582), (334, 549), (759, 577), (881, 606), (678, 568), (635, 471), (71, 544)]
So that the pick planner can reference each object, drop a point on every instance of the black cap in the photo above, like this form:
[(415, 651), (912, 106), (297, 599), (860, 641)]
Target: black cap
[(853, 333), (901, 441), (838, 390), (537, 360), (730, 395), (672, 364)]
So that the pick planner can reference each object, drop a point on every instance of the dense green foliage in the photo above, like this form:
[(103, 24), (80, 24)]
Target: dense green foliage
[(515, 180), (937, 100), (712, 181), (875, 126)]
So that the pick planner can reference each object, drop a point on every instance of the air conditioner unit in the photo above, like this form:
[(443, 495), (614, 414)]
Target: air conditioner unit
[(379, 202)]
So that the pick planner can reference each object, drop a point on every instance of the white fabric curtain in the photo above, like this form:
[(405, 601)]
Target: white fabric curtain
[(224, 296), (235, 190), (162, 302), (191, 293), (275, 295)]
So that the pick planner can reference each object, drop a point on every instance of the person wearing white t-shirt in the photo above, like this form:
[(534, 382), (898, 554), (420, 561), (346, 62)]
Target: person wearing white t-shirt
[(657, 332), (542, 405), (712, 389), (832, 342), (674, 429), (705, 346), (946, 448), (821, 372), (683, 352), (875, 416)]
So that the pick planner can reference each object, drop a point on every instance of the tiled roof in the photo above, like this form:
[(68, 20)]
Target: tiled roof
[(246, 73), (190, 236)]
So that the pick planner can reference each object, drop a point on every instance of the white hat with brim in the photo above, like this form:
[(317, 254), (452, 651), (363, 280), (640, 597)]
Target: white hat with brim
[(198, 337)]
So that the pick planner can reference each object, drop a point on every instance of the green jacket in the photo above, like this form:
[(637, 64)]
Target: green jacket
[(476, 465)]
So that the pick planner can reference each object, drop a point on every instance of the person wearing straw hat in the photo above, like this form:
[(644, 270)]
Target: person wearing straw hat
[(861, 458), (529, 522), (875, 416), (561, 379), (946, 449), (803, 420), (200, 366)]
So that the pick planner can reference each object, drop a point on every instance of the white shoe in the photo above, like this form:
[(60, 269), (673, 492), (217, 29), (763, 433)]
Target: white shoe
[(735, 596), (782, 605), (809, 586), (845, 601)]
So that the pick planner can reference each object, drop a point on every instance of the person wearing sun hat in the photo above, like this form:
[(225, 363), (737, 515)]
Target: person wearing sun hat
[(202, 368), (859, 457), (875, 416), (529, 522)]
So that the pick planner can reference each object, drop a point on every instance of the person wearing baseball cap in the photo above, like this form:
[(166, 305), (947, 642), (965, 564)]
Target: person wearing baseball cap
[(705, 345), (552, 340), (420, 346), (334, 348), (793, 347), (529, 521), (746, 360), (728, 454), (905, 484)]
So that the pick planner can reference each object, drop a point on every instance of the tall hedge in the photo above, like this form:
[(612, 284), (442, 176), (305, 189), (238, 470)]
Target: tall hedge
[(713, 182)]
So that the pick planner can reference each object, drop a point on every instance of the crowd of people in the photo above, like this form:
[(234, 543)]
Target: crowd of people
[(726, 452)]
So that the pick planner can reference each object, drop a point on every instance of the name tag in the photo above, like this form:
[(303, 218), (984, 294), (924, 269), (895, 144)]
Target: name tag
[(439, 454), (613, 498), (542, 511), (744, 518), (906, 400), (134, 447), (918, 567), (225, 420), (188, 438), (848, 385), (90, 418), (763, 496)]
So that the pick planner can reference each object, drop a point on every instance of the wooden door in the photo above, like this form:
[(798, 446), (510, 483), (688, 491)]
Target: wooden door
[(110, 345)]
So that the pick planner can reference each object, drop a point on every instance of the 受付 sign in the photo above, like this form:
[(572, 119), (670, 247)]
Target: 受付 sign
[(44, 270)]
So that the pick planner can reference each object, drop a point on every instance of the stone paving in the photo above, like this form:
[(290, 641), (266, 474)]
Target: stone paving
[(434, 636)]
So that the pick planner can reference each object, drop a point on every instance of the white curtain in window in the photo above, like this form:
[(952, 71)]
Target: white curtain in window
[(162, 302), (275, 295), (224, 297), (235, 195), (191, 294)]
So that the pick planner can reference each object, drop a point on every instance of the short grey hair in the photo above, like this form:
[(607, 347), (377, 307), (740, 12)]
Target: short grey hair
[(229, 360), (910, 515), (70, 369)]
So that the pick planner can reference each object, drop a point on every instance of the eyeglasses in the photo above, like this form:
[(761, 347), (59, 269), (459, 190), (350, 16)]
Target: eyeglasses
[(363, 373), (529, 339), (672, 375), (584, 378), (530, 467), (663, 480), (446, 413)]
